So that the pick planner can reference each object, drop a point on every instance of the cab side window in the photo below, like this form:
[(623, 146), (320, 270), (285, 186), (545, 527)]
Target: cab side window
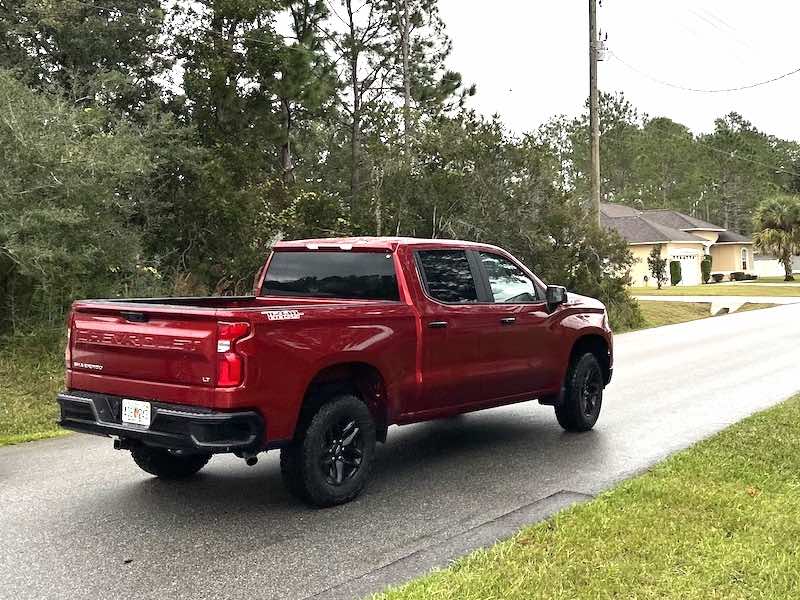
[(447, 276), (508, 283)]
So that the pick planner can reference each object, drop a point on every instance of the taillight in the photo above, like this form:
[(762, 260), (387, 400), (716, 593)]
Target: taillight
[(68, 348), (229, 363)]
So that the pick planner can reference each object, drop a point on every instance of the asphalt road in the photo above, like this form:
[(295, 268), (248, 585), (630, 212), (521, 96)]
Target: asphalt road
[(79, 520)]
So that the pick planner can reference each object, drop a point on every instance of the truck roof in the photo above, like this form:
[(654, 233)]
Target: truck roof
[(373, 242)]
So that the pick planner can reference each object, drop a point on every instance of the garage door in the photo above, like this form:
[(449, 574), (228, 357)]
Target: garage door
[(690, 267)]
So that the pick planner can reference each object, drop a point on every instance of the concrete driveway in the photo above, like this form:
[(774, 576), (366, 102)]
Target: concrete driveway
[(79, 520)]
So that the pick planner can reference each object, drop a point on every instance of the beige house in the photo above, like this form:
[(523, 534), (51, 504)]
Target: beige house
[(682, 238)]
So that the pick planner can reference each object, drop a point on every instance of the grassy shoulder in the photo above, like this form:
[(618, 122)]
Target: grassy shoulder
[(31, 374), (751, 289), (771, 280), (657, 314), (720, 520)]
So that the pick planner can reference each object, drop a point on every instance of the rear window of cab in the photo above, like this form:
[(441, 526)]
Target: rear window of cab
[(331, 274)]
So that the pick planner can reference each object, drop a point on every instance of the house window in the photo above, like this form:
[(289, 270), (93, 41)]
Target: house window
[(744, 259)]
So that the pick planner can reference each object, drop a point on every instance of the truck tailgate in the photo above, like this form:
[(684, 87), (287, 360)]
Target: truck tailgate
[(144, 344)]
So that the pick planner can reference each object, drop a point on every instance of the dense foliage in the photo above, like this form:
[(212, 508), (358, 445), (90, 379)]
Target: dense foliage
[(777, 222), (153, 147)]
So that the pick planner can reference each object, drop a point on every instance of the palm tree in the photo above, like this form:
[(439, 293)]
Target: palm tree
[(777, 229)]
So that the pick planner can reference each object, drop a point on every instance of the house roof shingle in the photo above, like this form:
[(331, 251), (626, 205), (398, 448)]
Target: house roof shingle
[(617, 210), (672, 218), (637, 229), (656, 226), (731, 237)]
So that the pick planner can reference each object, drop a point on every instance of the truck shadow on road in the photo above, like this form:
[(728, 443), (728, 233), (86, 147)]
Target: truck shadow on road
[(483, 451)]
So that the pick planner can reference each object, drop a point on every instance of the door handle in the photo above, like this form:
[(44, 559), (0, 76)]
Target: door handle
[(437, 324), (508, 320)]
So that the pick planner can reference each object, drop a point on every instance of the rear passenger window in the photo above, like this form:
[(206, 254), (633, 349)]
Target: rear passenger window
[(508, 282), (447, 275)]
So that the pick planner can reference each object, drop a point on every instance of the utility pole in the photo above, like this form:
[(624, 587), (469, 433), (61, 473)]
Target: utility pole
[(594, 109), (406, 34)]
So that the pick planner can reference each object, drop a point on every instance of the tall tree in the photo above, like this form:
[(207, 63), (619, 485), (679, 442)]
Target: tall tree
[(66, 203), (360, 35), (95, 53), (740, 168)]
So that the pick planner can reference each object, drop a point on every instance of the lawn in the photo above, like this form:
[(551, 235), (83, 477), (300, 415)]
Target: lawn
[(720, 520), (31, 373), (755, 306), (752, 289), (772, 280), (657, 313)]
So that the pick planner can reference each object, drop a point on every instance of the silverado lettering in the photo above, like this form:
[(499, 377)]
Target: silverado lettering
[(110, 338), (341, 339)]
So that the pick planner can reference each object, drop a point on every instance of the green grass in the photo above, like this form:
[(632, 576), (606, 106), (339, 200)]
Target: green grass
[(720, 520), (657, 313), (31, 373), (755, 306), (712, 289), (771, 280)]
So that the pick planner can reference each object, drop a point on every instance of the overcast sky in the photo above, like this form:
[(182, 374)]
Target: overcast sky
[(529, 58)]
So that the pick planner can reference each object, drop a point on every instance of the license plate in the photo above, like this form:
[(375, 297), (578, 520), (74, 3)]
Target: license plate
[(136, 412)]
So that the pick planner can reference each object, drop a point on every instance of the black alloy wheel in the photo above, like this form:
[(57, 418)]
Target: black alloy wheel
[(580, 407), (343, 452), (592, 390), (330, 460)]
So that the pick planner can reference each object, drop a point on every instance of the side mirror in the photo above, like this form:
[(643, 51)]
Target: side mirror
[(555, 296)]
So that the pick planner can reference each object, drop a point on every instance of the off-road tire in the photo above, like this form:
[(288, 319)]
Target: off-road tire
[(576, 412), (302, 462), (167, 465)]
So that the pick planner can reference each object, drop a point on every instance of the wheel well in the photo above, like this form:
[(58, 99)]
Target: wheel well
[(360, 379), (598, 346)]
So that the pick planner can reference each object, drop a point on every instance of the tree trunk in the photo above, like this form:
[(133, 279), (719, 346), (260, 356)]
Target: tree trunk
[(786, 259), (287, 165), (355, 130), (406, 33), (355, 153)]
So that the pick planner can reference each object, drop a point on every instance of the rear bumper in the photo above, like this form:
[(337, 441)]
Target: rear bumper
[(172, 426)]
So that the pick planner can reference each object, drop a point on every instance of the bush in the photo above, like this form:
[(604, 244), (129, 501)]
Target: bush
[(717, 277), (657, 265), (624, 315), (675, 272), (737, 276), (705, 268)]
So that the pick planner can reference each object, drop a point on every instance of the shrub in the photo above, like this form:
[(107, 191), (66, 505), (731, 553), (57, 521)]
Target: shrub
[(705, 268), (717, 277), (624, 316), (675, 272), (657, 265), (737, 276)]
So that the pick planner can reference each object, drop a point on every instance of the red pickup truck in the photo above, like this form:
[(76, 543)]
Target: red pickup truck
[(341, 338)]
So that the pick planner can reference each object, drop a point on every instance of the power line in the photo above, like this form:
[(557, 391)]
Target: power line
[(729, 154), (702, 90), (744, 158)]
